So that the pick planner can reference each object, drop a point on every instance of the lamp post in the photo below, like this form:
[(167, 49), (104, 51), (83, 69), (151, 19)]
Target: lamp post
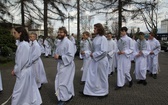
[(69, 23)]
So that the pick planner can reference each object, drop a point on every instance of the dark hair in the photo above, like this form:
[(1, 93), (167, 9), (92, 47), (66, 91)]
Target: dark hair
[(24, 34), (87, 33), (34, 34), (109, 33), (100, 28), (124, 29), (152, 34), (63, 29), (141, 33)]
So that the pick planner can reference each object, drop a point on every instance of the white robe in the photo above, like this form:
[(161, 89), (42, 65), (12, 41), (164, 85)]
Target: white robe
[(124, 60), (40, 41), (37, 64), (25, 91), (1, 87), (87, 47), (97, 77), (134, 48), (47, 47), (64, 86), (115, 55), (72, 39), (153, 59), (56, 41), (148, 56), (111, 55), (81, 47), (141, 61)]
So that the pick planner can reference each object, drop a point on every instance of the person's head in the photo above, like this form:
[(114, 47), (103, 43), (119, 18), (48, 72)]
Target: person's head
[(109, 36), (62, 32), (20, 33), (33, 36), (99, 29), (151, 35), (85, 35), (141, 36), (146, 36), (124, 31), (72, 34)]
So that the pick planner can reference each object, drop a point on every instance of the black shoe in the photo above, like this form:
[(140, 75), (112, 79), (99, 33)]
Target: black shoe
[(151, 75), (81, 92), (147, 71), (117, 88), (132, 61), (155, 76), (46, 56), (82, 83), (61, 103), (111, 73), (40, 88), (144, 82), (130, 83), (70, 99), (140, 82), (101, 97)]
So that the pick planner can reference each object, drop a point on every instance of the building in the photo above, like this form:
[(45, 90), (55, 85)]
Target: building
[(164, 26)]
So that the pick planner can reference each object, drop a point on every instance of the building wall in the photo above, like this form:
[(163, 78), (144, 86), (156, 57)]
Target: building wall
[(164, 26)]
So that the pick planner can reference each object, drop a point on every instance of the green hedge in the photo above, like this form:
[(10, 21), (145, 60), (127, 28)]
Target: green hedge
[(7, 45)]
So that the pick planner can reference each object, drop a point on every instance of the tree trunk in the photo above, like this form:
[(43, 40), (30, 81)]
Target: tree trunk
[(119, 18), (45, 18), (22, 13), (78, 24)]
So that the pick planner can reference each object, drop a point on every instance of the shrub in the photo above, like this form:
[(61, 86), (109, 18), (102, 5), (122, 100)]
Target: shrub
[(7, 45)]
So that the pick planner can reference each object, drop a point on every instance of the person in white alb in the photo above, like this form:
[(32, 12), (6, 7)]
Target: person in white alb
[(125, 49), (40, 41), (37, 64), (111, 53), (47, 46), (153, 57), (25, 91), (85, 53), (140, 55), (97, 76), (64, 55)]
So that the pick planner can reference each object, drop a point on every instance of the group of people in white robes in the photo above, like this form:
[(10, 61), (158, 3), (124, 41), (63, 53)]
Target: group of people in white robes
[(120, 54), (100, 58)]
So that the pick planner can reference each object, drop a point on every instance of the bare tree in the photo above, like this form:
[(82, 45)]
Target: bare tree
[(4, 10)]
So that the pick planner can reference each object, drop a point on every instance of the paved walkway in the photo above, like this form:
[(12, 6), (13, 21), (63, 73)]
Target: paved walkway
[(155, 93)]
